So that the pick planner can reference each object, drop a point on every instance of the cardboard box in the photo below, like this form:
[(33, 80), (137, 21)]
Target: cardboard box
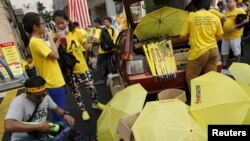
[(172, 94), (124, 127), (115, 83), (116, 89)]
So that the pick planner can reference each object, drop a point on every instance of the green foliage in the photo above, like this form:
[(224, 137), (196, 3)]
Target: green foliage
[(47, 15)]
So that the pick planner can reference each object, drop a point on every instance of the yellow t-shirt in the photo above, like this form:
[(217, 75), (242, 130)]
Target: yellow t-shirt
[(47, 67), (230, 21), (84, 34), (216, 13), (79, 39), (98, 36), (202, 27)]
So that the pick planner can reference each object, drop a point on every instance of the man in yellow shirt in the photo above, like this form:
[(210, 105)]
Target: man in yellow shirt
[(203, 29), (232, 32), (104, 57)]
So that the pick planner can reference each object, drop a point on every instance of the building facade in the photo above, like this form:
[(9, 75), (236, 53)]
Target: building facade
[(10, 44)]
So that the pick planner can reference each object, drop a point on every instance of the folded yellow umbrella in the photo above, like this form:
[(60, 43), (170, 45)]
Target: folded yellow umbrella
[(167, 120), (126, 102), (218, 99), (241, 72)]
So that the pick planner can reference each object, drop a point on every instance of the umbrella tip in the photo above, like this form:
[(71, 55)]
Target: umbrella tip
[(159, 20), (190, 130)]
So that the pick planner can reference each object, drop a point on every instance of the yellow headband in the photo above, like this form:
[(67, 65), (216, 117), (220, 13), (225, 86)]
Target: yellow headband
[(36, 89)]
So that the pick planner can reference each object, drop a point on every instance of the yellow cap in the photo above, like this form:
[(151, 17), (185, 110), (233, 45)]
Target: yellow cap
[(239, 1)]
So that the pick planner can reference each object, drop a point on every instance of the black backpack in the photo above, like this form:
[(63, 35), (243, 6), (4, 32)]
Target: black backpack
[(107, 43), (67, 59)]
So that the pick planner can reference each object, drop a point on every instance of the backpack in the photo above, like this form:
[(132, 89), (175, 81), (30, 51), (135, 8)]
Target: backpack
[(67, 59), (107, 43)]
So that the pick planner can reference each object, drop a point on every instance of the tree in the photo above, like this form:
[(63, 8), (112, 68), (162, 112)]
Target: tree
[(40, 7), (45, 14)]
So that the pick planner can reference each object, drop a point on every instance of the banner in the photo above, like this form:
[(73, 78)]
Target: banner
[(78, 12), (12, 58)]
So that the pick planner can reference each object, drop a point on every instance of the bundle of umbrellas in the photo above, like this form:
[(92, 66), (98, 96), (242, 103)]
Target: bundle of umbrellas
[(160, 57)]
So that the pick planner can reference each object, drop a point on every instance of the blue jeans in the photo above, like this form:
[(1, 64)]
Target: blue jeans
[(58, 95), (6, 66)]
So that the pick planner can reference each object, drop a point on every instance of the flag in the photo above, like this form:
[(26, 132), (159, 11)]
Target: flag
[(78, 12)]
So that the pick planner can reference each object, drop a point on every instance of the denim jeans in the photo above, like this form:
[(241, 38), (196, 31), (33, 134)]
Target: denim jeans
[(6, 66)]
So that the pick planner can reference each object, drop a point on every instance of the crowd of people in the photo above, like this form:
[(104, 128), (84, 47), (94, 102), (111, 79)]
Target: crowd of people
[(46, 81), (208, 28)]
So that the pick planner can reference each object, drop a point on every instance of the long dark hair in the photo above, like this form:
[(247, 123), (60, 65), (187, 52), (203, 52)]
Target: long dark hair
[(61, 13), (29, 20), (200, 4)]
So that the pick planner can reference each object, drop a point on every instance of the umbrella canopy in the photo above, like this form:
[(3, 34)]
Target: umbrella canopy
[(218, 99), (167, 119), (166, 20), (240, 72), (126, 102), (246, 88)]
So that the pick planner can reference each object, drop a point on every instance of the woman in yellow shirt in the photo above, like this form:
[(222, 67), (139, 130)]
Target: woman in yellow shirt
[(45, 59), (80, 75)]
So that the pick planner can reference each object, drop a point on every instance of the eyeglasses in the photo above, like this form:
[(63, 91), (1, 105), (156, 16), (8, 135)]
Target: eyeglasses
[(38, 97), (42, 23)]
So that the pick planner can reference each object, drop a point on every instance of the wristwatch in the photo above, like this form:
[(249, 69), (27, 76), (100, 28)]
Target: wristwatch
[(66, 113)]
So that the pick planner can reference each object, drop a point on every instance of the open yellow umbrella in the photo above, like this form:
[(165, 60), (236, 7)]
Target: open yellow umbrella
[(240, 71), (246, 88), (218, 99), (166, 20), (167, 120), (126, 102)]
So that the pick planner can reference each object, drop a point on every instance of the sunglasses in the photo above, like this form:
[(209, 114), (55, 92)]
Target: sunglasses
[(38, 97)]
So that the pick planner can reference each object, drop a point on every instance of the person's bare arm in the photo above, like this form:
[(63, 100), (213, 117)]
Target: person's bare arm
[(86, 45), (12, 125), (68, 119), (219, 37), (239, 25), (54, 47)]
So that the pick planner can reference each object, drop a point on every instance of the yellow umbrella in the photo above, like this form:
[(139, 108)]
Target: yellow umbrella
[(166, 20), (218, 99), (246, 88), (126, 102), (167, 120), (240, 71)]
